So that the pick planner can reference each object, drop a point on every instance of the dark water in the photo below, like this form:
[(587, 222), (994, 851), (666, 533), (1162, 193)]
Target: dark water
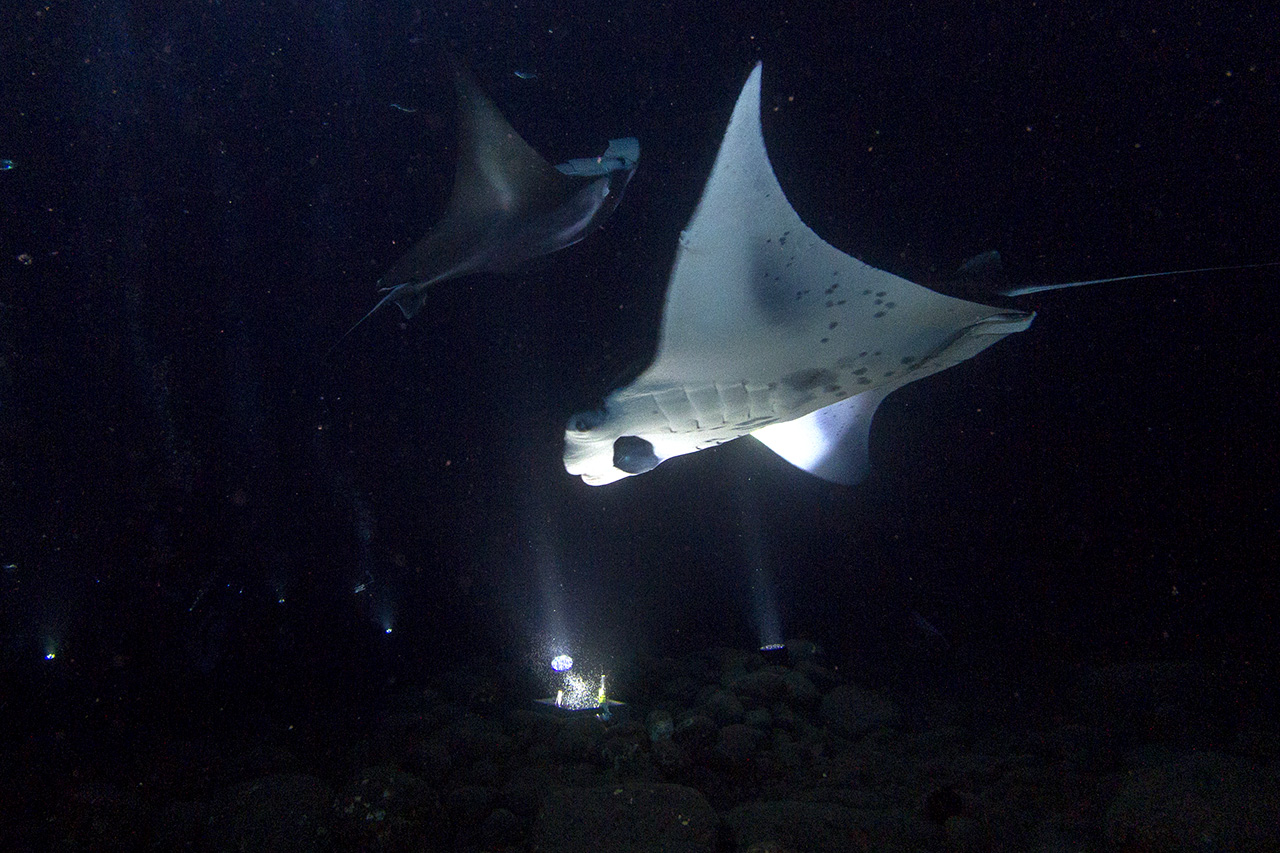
[(202, 519)]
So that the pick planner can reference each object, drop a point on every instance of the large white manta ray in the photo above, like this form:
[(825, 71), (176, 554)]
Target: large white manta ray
[(770, 331)]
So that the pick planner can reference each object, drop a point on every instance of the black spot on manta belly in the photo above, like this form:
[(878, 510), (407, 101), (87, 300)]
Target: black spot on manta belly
[(809, 378)]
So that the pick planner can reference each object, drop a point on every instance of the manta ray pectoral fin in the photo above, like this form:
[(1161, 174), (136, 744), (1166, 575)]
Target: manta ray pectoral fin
[(831, 443)]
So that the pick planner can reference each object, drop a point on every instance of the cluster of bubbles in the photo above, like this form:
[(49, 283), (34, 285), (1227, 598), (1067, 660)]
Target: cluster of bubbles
[(578, 694)]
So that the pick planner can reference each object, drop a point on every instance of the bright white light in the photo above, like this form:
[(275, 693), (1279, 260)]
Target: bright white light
[(562, 663), (50, 655), (388, 630)]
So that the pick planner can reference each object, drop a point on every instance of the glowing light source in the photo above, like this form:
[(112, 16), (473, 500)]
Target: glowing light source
[(576, 686), (50, 655), (578, 694), (774, 652)]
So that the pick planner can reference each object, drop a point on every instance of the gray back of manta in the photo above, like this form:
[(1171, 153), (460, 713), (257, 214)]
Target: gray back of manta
[(770, 331)]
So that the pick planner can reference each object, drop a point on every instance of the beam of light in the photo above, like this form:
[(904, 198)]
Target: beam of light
[(764, 603), (386, 608)]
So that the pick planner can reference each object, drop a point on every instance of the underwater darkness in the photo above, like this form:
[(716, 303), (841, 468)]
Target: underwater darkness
[(203, 518)]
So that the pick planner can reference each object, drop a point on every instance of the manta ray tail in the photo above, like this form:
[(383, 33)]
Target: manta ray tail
[(1042, 288)]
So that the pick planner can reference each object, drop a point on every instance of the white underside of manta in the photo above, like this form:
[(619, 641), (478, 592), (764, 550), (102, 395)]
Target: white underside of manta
[(772, 332)]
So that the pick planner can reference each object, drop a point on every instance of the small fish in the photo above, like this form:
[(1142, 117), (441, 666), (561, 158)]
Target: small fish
[(404, 109), (526, 75)]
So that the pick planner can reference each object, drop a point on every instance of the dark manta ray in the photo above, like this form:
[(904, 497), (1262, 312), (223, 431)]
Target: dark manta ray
[(508, 204), (772, 332)]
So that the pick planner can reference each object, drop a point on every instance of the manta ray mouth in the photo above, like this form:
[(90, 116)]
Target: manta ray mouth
[(633, 454)]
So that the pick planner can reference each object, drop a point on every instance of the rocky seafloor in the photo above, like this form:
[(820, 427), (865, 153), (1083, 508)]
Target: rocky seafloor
[(711, 753)]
